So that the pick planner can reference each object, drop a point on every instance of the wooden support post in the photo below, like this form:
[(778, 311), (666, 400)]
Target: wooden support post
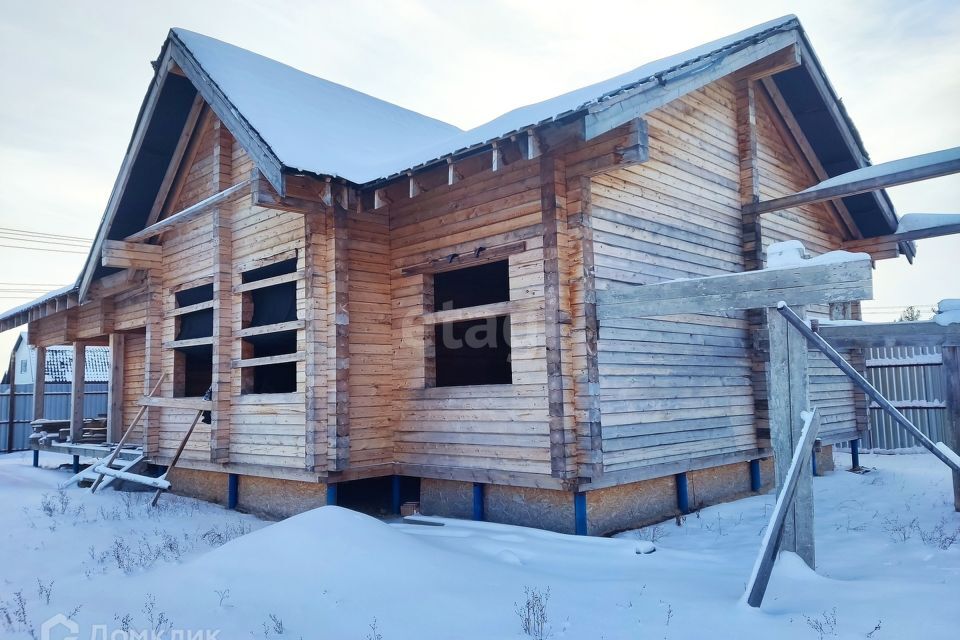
[(152, 365), (592, 456), (115, 388), (951, 385), (789, 397), (11, 401), (338, 341), (39, 384), (221, 247), (553, 203), (314, 341), (76, 390)]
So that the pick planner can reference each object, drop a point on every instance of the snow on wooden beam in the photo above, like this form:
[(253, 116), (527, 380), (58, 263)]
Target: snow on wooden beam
[(876, 177), (913, 226), (191, 212), (833, 277), (131, 255)]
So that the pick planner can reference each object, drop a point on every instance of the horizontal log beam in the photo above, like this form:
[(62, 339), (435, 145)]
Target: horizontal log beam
[(881, 176), (191, 212), (889, 334), (197, 404), (816, 283), (905, 236), (131, 255)]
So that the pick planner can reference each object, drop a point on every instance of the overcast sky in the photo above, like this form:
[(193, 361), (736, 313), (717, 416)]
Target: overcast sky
[(74, 75)]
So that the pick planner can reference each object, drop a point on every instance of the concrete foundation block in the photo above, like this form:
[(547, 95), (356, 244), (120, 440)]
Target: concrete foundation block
[(205, 485), (277, 499), (446, 498), (542, 508)]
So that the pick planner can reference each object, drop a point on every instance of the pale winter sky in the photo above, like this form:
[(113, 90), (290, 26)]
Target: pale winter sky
[(74, 74)]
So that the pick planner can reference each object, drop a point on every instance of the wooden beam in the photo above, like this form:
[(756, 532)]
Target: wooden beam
[(817, 283), (338, 339), (799, 146), (131, 255), (951, 387), (224, 302), (76, 390), (186, 146), (299, 198), (482, 311), (115, 386), (293, 276), (482, 255), (292, 325), (783, 60), (881, 176), (611, 113), (591, 455), (895, 238), (553, 207), (191, 212), (197, 404), (789, 398), (770, 545), (889, 334), (258, 362), (39, 383), (261, 153)]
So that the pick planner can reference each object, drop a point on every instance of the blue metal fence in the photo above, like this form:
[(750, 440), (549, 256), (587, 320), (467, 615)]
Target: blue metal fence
[(56, 406)]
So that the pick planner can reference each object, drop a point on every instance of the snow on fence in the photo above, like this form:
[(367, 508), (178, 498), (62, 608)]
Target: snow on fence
[(56, 403), (911, 378)]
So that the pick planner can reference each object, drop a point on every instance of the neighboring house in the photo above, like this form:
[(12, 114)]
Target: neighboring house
[(342, 272), (59, 363)]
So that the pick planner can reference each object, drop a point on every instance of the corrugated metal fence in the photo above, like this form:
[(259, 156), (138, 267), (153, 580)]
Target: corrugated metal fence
[(56, 406), (912, 379)]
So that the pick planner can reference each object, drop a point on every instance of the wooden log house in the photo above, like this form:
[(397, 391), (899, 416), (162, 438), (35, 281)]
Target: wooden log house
[(344, 274)]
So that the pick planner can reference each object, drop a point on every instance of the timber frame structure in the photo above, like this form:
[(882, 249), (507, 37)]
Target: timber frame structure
[(655, 177)]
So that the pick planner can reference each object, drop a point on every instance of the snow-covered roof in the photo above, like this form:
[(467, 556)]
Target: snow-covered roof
[(927, 221), (321, 127)]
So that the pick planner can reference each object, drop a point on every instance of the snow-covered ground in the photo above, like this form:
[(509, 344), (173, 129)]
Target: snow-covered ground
[(887, 551)]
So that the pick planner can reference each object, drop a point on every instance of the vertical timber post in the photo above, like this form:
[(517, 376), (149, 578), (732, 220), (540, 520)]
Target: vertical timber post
[(755, 480), (951, 385), (788, 396), (12, 401), (478, 501), (683, 494), (580, 513), (221, 248), (76, 391), (115, 388)]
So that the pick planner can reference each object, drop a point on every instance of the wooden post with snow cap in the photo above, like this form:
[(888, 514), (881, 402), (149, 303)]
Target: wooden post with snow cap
[(948, 312)]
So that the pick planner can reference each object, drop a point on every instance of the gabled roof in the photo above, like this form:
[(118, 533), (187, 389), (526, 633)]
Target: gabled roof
[(292, 122)]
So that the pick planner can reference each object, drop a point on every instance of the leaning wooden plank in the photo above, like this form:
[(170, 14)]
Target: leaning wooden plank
[(191, 212), (814, 283), (760, 578), (158, 483), (126, 434), (879, 176), (176, 456)]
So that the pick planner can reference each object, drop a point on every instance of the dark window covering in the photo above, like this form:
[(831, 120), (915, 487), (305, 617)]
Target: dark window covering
[(271, 270), (277, 303), (472, 286), (483, 360)]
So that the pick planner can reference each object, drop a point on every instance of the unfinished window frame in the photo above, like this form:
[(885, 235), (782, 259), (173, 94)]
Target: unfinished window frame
[(179, 346), (249, 364), (433, 319)]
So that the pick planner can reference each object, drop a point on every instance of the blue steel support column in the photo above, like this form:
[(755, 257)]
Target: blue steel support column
[(395, 494), (332, 494), (683, 495), (233, 490), (855, 453), (76, 464), (580, 513), (36, 457), (813, 463), (478, 501), (755, 481)]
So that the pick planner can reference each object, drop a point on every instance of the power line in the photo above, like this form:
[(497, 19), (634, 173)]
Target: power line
[(26, 232), (45, 249)]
